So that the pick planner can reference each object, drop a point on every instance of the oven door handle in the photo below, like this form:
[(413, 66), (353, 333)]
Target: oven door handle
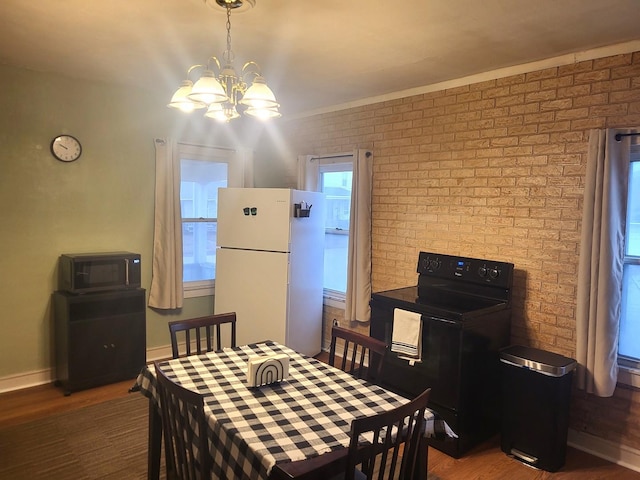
[(431, 318)]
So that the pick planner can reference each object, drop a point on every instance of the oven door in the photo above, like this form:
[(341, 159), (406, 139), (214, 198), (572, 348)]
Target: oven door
[(440, 368)]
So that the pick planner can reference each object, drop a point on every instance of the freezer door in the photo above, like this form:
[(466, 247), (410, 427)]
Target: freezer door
[(254, 218), (253, 284)]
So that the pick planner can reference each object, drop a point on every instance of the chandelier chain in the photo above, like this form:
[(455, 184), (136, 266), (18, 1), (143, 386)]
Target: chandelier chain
[(228, 54)]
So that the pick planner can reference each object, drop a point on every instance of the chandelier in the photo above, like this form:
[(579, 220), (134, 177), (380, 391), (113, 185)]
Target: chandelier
[(221, 90)]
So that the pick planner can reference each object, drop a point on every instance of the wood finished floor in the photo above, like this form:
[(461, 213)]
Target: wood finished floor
[(485, 462)]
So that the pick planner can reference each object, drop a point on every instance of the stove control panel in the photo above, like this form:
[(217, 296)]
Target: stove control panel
[(465, 269)]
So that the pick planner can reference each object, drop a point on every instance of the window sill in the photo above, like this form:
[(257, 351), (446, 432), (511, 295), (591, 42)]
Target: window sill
[(198, 290), (334, 299), (629, 376)]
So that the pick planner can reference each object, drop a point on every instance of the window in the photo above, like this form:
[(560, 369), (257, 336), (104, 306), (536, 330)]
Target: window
[(334, 180), (202, 171), (199, 183), (628, 344)]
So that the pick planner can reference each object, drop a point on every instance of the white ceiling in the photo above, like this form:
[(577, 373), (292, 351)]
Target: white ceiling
[(314, 53)]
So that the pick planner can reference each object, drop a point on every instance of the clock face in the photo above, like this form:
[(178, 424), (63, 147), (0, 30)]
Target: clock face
[(66, 148)]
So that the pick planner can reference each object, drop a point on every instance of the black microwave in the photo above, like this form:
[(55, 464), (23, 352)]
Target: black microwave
[(95, 272)]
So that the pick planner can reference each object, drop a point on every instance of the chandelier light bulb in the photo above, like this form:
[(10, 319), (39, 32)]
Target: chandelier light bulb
[(259, 95), (208, 90), (263, 113), (215, 111), (222, 112), (230, 111), (181, 101)]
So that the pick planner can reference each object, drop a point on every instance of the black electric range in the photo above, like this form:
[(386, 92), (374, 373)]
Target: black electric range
[(465, 308)]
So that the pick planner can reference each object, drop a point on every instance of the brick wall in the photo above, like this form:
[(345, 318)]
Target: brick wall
[(494, 170)]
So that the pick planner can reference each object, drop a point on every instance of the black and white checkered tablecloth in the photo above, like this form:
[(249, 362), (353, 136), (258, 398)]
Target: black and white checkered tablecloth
[(252, 429)]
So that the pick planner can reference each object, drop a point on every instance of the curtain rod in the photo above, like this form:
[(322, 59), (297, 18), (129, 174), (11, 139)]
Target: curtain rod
[(619, 136), (340, 155)]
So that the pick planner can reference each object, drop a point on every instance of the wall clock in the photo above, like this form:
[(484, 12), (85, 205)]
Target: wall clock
[(66, 148)]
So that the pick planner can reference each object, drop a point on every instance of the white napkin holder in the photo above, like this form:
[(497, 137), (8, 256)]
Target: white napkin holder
[(264, 370)]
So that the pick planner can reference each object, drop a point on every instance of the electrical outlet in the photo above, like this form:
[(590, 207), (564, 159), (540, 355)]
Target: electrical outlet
[(336, 323)]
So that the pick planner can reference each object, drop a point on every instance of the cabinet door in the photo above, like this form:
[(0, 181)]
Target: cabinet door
[(106, 349), (91, 351), (129, 338)]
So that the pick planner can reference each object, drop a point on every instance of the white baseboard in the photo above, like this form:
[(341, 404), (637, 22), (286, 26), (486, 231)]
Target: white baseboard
[(619, 454), (159, 353), (42, 377), (26, 380)]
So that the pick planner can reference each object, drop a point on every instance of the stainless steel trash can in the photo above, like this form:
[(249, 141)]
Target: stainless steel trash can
[(536, 391)]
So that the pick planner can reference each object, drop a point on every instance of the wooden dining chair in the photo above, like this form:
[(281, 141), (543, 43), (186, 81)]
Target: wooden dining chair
[(184, 428), (207, 332), (360, 355), (390, 445)]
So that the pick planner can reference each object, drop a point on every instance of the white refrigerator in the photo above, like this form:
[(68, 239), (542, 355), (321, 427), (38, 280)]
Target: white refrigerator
[(269, 265)]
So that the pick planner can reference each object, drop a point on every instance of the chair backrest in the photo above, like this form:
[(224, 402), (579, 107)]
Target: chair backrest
[(358, 354), (184, 427), (390, 456), (203, 331)]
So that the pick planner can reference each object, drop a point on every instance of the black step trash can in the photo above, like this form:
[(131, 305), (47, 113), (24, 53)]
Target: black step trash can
[(536, 390)]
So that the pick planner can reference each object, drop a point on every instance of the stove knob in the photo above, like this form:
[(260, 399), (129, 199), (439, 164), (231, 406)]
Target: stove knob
[(494, 273), (434, 264), (482, 271)]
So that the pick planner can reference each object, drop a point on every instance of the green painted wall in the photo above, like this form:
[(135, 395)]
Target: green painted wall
[(102, 202)]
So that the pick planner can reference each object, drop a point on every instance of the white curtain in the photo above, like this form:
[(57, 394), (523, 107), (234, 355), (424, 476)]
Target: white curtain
[(358, 291), (359, 257), (166, 290), (601, 262)]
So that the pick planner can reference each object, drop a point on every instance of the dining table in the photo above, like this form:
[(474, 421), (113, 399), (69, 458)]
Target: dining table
[(282, 430)]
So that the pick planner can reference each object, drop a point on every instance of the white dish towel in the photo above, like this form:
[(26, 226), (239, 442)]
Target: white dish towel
[(406, 338)]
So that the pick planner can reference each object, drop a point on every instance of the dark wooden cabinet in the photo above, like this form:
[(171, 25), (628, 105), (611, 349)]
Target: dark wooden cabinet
[(100, 337)]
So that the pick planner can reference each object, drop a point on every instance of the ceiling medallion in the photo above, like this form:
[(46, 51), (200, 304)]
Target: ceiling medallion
[(236, 5)]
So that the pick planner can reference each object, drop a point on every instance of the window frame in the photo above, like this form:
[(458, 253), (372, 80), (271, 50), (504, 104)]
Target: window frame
[(331, 164), (235, 178), (629, 368)]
